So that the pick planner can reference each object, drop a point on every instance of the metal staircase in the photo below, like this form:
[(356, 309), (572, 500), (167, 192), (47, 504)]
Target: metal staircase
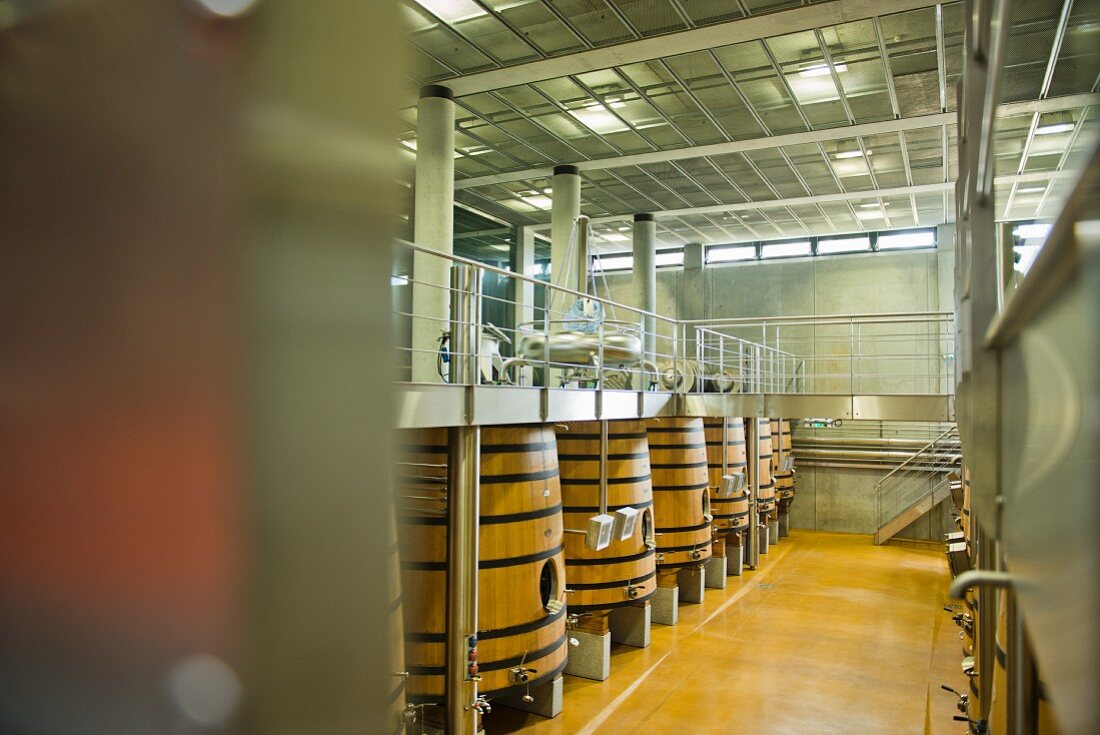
[(917, 485)]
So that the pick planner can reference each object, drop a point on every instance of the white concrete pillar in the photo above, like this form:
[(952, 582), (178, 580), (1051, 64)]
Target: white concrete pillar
[(433, 226), (523, 263), (565, 209), (523, 293), (690, 296), (645, 275)]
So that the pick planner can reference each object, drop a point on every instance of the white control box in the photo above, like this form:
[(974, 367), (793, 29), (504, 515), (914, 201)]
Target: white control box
[(626, 520), (731, 484), (600, 529)]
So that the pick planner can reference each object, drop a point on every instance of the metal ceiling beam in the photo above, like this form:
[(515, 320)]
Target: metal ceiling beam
[(900, 191), (755, 206), (753, 28), (811, 136), (1044, 91)]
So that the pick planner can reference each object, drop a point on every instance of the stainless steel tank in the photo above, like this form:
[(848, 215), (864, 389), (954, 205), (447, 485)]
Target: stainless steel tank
[(621, 346)]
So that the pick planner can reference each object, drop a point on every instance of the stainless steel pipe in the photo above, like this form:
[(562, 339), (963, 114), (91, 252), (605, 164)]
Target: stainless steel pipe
[(866, 442), (752, 446), (464, 460)]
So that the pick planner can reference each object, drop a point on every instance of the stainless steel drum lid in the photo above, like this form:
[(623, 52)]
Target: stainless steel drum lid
[(620, 342)]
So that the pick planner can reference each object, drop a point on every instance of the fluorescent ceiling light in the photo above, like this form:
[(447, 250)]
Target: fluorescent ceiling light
[(1027, 232), (398, 280), (870, 214), (624, 228), (851, 154), (1052, 129), (547, 190), (871, 205), (1031, 190), (821, 70), (615, 237), (452, 11), (599, 119), (502, 248), (410, 144), (538, 200)]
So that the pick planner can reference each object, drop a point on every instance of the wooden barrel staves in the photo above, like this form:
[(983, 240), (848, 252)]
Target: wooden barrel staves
[(731, 514), (765, 499), (625, 572), (781, 452), (521, 568), (681, 502)]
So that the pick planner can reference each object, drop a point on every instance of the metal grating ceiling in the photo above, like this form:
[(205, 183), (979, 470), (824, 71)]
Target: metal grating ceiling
[(892, 67)]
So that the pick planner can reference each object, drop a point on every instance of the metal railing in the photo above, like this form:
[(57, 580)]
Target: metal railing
[(898, 353), (549, 336), (725, 363), (537, 334), (917, 476)]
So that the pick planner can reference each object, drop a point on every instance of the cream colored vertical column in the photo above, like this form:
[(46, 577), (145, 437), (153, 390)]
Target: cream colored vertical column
[(645, 276), (523, 293), (564, 211), (433, 226), (690, 296)]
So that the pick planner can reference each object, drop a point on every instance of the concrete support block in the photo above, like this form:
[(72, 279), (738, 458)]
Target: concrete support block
[(715, 572), (692, 583), (546, 699), (785, 525), (735, 560), (590, 658), (773, 532), (762, 536), (630, 625), (665, 606)]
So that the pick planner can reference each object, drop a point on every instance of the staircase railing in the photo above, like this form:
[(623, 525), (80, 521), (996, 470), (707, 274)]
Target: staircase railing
[(916, 477)]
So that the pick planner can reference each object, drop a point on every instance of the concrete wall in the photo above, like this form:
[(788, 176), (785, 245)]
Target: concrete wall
[(828, 499), (843, 499), (837, 284)]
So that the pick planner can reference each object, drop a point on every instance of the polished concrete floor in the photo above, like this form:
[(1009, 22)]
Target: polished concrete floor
[(830, 635)]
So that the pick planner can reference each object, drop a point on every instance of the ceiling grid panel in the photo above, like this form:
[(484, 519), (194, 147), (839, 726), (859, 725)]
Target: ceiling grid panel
[(747, 120)]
